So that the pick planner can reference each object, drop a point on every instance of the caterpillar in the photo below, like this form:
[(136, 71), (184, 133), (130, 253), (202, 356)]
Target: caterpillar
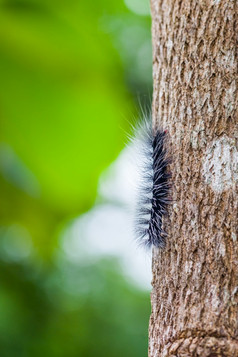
[(154, 188)]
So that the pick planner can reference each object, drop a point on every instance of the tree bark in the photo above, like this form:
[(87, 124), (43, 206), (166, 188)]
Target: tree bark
[(195, 278)]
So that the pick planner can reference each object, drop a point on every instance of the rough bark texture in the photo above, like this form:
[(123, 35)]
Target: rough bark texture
[(195, 279)]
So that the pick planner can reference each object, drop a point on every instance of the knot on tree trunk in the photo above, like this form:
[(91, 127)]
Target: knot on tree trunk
[(207, 346)]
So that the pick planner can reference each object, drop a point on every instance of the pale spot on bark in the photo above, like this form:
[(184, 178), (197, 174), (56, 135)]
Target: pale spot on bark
[(175, 207), (230, 98), (222, 250), (198, 138), (220, 167), (233, 236), (188, 267), (213, 298)]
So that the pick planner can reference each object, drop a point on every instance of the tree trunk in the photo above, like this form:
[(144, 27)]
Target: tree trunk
[(195, 278)]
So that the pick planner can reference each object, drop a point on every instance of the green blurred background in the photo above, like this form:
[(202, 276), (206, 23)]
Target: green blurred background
[(71, 74)]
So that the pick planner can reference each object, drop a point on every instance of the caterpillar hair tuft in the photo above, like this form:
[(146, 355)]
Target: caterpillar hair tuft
[(154, 188)]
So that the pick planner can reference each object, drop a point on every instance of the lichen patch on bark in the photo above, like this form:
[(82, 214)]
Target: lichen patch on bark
[(220, 165)]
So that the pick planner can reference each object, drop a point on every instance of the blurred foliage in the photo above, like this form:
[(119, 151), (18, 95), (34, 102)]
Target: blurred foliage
[(70, 71), (71, 311)]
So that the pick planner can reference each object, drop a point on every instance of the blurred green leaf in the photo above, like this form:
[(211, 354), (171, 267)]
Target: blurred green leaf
[(61, 119)]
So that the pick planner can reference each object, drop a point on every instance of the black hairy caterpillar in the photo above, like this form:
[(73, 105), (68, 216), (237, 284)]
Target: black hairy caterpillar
[(154, 193)]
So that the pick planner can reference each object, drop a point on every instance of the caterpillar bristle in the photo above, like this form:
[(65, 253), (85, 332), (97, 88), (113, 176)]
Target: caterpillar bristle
[(154, 190)]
